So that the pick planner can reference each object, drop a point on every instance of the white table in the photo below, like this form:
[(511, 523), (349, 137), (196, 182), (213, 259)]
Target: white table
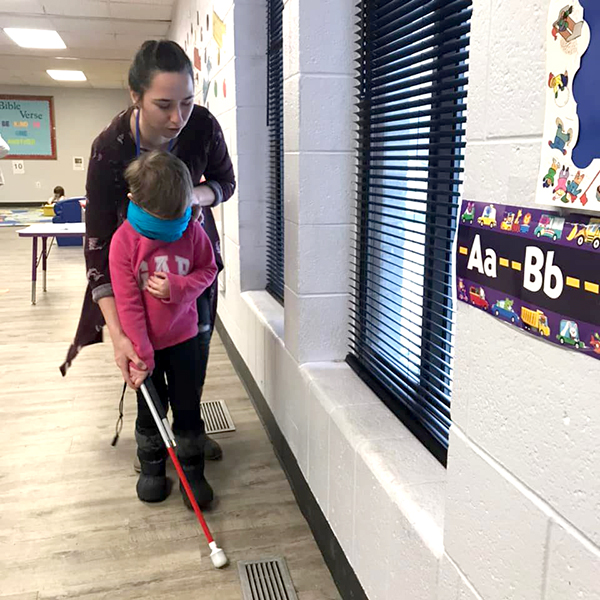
[(45, 231)]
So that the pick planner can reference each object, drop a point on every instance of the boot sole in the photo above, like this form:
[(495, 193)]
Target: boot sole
[(158, 497)]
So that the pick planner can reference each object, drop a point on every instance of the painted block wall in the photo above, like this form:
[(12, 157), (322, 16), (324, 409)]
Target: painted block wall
[(515, 516), (522, 517)]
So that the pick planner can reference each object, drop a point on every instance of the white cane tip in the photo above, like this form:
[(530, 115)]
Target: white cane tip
[(219, 559)]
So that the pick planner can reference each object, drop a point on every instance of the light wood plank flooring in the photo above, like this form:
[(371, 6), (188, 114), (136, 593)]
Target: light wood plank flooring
[(70, 522)]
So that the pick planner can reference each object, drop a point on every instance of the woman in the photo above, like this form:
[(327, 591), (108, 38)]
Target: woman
[(163, 117)]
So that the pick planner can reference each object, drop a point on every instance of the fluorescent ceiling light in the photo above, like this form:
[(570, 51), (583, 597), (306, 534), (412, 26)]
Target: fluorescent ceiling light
[(35, 38), (61, 75)]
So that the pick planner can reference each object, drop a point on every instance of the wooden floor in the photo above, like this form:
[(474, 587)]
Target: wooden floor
[(71, 525)]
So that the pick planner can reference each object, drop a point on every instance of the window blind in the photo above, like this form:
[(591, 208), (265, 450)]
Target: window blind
[(275, 223), (412, 58)]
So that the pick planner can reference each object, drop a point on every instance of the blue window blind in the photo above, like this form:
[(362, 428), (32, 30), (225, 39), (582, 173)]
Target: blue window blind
[(275, 223), (412, 58)]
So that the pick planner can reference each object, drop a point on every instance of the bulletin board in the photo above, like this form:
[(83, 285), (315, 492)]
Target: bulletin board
[(27, 125)]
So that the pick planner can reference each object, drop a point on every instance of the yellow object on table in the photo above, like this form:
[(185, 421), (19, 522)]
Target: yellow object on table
[(48, 210)]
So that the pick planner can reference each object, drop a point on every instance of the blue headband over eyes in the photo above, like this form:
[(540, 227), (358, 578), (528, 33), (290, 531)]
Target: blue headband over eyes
[(157, 229)]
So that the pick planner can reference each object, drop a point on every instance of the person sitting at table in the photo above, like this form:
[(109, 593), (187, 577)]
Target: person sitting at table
[(59, 194)]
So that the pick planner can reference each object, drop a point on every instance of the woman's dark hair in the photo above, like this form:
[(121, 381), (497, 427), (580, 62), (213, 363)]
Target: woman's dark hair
[(157, 56), (59, 190)]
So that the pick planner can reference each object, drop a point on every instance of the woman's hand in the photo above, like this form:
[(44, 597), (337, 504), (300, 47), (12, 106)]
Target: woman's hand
[(203, 196), (158, 286), (126, 354)]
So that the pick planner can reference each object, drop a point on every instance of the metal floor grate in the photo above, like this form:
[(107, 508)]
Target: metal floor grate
[(266, 580), (216, 417)]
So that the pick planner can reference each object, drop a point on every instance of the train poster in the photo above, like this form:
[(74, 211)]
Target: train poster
[(532, 268)]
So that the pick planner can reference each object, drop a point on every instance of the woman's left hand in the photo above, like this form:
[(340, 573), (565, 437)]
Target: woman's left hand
[(158, 286), (203, 196)]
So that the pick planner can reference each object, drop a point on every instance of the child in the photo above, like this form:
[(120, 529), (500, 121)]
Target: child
[(59, 194), (160, 261)]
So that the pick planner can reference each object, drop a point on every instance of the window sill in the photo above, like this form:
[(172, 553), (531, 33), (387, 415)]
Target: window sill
[(409, 478), (267, 309), (371, 478)]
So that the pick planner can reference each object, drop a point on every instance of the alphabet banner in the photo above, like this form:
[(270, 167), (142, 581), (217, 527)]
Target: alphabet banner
[(27, 124), (534, 269)]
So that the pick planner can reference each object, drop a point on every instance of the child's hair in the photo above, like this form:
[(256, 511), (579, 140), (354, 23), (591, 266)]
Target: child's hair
[(59, 191), (161, 184)]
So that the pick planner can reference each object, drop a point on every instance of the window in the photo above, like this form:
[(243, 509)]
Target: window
[(412, 76), (275, 224)]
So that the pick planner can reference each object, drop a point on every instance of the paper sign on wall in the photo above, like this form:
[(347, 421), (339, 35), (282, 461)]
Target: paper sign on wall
[(219, 29), (18, 167), (532, 268), (78, 163)]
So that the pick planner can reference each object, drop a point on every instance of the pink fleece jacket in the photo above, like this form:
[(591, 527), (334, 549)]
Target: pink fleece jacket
[(152, 324)]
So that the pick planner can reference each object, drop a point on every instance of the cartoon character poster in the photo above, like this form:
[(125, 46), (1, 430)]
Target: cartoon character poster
[(570, 162)]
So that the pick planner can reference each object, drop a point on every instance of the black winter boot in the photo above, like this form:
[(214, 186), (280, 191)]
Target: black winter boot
[(212, 449), (152, 483), (190, 451)]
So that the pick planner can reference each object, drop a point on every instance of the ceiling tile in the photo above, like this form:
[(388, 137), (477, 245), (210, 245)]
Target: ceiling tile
[(25, 21), (30, 7), (81, 8), (157, 2), (142, 11), (101, 36)]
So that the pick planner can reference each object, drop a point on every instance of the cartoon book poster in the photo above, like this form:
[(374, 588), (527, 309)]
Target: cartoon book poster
[(570, 160)]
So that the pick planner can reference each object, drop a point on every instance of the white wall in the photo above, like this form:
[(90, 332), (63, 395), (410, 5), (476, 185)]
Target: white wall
[(80, 115), (516, 515)]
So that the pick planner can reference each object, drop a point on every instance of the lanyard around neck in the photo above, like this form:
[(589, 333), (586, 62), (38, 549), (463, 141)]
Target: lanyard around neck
[(138, 146)]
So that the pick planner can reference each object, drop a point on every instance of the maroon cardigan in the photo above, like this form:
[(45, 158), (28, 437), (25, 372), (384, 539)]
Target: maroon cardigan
[(200, 145)]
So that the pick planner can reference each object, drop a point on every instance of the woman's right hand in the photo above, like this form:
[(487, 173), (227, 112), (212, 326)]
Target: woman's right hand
[(125, 355)]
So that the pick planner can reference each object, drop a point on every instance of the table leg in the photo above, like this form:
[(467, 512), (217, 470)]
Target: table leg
[(44, 258), (34, 268)]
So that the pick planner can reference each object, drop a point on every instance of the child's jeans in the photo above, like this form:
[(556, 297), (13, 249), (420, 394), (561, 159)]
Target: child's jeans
[(175, 378)]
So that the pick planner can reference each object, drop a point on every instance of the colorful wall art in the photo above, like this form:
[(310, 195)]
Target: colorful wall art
[(208, 50), (570, 159)]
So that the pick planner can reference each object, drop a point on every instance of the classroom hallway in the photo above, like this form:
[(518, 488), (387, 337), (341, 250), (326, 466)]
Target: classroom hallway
[(71, 525)]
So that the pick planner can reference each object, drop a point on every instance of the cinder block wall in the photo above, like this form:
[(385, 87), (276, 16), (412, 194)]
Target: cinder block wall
[(522, 516)]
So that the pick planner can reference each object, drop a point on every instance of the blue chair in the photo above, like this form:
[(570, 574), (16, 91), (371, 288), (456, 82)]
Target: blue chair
[(68, 211)]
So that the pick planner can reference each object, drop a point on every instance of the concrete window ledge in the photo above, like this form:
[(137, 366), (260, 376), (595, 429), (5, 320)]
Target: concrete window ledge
[(267, 309), (381, 490)]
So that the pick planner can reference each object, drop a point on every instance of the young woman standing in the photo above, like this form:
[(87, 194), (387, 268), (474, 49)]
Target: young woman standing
[(163, 117)]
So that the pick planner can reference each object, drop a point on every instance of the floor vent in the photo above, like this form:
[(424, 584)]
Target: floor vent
[(266, 580), (216, 417)]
